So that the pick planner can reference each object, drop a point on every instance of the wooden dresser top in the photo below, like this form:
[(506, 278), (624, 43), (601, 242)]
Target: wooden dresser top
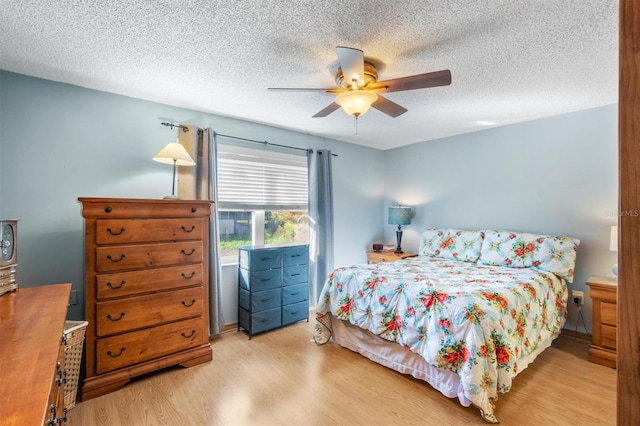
[(31, 326)]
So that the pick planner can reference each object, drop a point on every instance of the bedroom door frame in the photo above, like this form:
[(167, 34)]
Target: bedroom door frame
[(628, 346)]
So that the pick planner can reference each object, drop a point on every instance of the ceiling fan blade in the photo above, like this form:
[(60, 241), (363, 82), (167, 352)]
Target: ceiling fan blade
[(352, 64), (419, 81), (388, 107), (302, 89), (328, 110)]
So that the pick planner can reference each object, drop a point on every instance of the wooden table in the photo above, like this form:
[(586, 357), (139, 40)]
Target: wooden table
[(31, 328), (603, 292), (387, 256)]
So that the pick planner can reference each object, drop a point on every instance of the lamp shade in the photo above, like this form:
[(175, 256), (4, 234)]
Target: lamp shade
[(174, 152), (399, 215), (613, 239), (356, 102)]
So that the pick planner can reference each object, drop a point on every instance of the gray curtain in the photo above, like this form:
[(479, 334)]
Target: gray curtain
[(321, 223), (201, 183)]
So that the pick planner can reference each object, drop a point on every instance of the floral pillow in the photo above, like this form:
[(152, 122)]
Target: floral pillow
[(430, 242), (523, 250), (457, 244)]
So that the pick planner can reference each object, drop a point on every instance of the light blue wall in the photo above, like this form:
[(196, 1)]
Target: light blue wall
[(59, 142), (557, 175)]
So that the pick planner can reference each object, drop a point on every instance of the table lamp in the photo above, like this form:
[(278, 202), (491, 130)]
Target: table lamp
[(175, 154), (399, 216), (613, 246)]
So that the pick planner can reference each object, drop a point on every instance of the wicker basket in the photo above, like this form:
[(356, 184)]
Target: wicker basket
[(74, 333)]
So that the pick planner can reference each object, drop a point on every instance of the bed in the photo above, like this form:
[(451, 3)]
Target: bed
[(467, 315)]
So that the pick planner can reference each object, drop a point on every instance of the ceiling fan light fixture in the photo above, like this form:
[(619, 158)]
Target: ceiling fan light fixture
[(356, 102)]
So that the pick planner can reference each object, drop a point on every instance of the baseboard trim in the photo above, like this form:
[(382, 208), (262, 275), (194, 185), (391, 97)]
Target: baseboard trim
[(576, 335)]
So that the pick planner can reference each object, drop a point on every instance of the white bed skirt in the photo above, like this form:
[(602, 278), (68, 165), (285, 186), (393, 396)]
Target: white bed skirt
[(397, 358)]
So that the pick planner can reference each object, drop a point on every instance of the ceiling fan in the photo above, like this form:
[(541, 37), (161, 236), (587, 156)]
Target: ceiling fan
[(359, 88)]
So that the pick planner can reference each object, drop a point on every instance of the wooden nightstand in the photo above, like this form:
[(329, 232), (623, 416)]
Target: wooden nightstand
[(387, 256), (603, 292)]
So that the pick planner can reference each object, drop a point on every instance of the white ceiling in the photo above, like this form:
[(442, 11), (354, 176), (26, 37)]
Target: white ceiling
[(510, 60)]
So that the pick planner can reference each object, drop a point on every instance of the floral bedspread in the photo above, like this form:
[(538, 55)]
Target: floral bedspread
[(474, 320)]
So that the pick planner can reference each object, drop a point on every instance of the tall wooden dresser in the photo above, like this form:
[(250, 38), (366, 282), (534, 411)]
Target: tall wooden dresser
[(147, 304)]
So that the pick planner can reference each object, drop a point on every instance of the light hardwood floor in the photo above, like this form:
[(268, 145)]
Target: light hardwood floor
[(283, 378)]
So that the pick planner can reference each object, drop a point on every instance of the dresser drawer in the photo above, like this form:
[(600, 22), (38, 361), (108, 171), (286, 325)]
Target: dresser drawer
[(125, 231), (608, 336), (295, 274), (261, 300), (116, 316), (608, 313), (260, 281), (138, 346), (121, 258), (119, 284), (260, 260), (294, 293), (261, 321), (294, 313), (296, 255)]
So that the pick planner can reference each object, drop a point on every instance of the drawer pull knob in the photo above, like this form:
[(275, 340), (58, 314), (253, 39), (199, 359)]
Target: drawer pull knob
[(189, 336), (188, 254), (188, 230), (114, 232), (108, 209), (123, 282), (116, 319), (190, 304), (193, 210), (116, 355), (122, 256), (193, 274)]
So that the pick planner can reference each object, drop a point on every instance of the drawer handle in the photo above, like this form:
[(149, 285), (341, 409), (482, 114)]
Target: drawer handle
[(264, 259), (295, 275), (264, 280), (190, 304), (295, 294), (123, 282), (295, 255), (193, 274), (189, 336), (294, 312), (116, 355), (188, 230), (188, 254), (265, 320), (62, 377), (116, 319), (266, 300), (116, 233), (122, 256)]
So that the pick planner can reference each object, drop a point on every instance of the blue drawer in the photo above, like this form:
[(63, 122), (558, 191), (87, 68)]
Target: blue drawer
[(294, 293), (260, 259), (263, 300), (295, 274), (260, 281), (295, 312), (296, 255), (266, 320)]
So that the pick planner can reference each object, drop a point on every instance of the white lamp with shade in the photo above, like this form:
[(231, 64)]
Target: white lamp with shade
[(175, 154), (613, 246)]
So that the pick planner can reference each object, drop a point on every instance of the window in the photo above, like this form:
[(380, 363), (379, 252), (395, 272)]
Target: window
[(262, 199)]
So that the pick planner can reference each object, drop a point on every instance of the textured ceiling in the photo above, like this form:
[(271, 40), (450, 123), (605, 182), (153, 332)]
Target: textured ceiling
[(510, 61)]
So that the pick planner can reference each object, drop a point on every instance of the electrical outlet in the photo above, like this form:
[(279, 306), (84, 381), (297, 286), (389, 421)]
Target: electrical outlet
[(577, 297), (73, 299)]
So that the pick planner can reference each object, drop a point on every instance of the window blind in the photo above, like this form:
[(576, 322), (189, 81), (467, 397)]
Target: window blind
[(251, 179)]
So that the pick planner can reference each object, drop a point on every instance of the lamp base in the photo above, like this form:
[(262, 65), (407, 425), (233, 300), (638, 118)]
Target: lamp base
[(614, 269), (398, 240), (172, 197)]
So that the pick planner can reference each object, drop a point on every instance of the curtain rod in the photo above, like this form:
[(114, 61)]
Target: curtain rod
[(186, 129)]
